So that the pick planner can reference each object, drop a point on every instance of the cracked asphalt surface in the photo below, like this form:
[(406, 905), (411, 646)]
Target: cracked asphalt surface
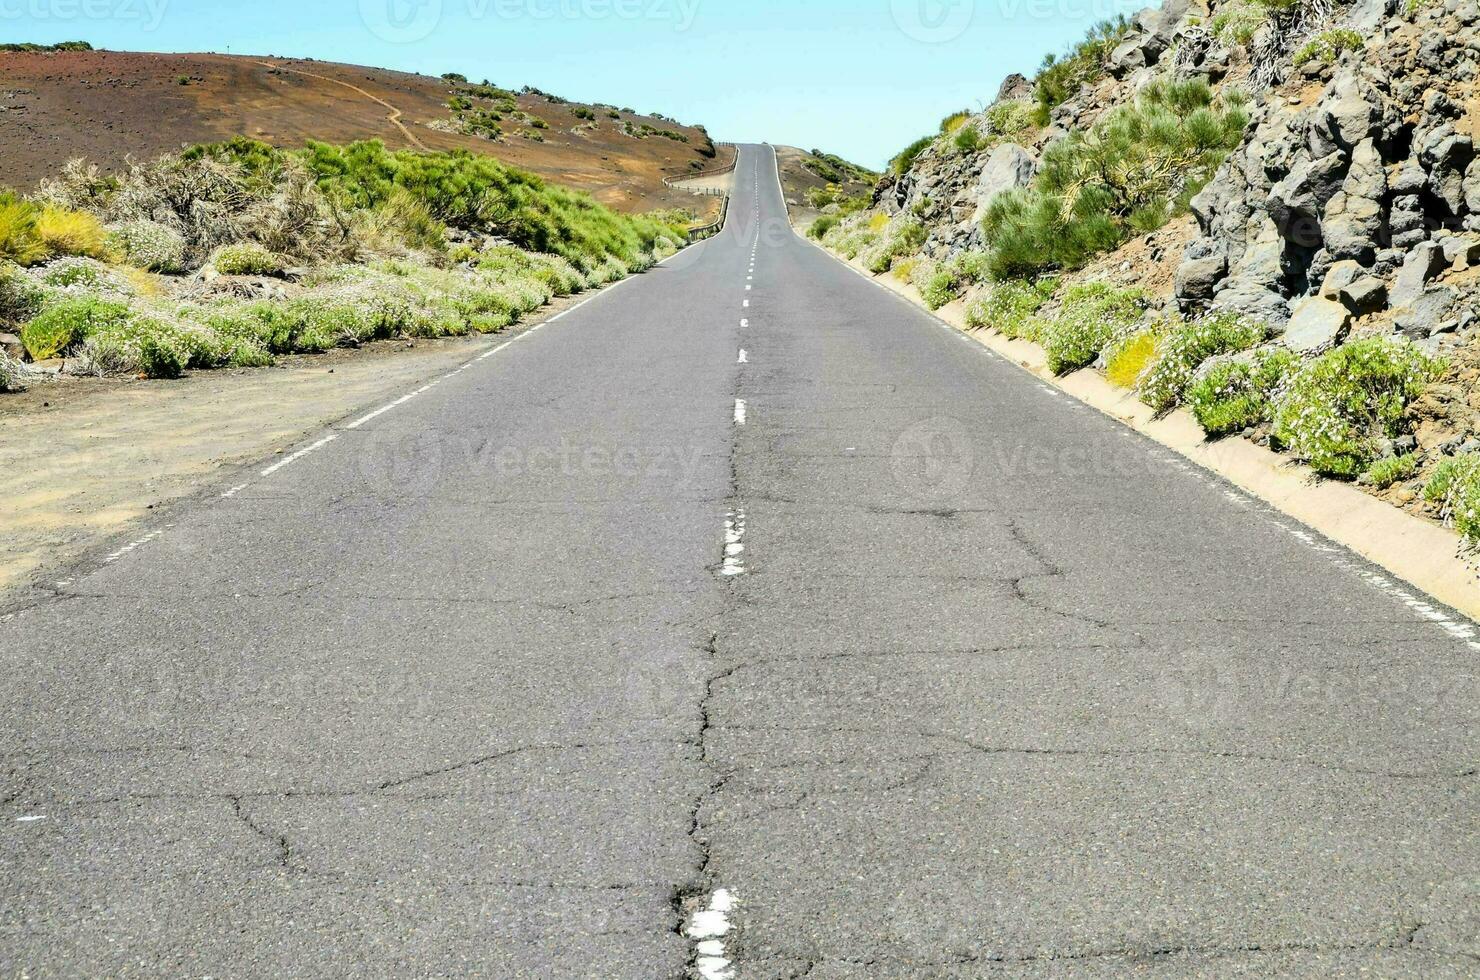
[(1004, 689)]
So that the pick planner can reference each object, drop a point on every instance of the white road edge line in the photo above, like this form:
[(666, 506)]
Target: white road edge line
[(299, 454), (1459, 629)]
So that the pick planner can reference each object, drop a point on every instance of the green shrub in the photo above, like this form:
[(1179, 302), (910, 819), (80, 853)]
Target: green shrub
[(1455, 485), (940, 288), (1061, 78), (1127, 358), (142, 345), (969, 140), (902, 163), (1127, 175), (1448, 473), (20, 296), (148, 245), (1327, 46), (1011, 308), (1012, 118), (954, 122), (1393, 469), (1183, 348), (246, 259), (900, 239), (59, 327), (822, 226), (321, 324), (66, 232), (1230, 396), (1236, 23), (1088, 317), (83, 274), (1340, 406), (20, 242)]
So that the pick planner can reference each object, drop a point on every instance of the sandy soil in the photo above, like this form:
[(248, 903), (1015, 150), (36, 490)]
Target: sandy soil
[(81, 459), (109, 105), (797, 180)]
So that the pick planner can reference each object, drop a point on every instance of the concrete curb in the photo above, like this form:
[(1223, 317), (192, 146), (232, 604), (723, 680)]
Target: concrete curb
[(1420, 553)]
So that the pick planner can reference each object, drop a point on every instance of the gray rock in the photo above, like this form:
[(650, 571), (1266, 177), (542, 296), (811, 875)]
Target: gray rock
[(1365, 295), (1428, 312), (1315, 323), (1007, 168), (1338, 277), (1204, 265), (1014, 87), (1352, 219), (1410, 179), (1471, 186), (1447, 155), (1297, 200), (1349, 111), (1423, 263), (1460, 252), (1252, 298)]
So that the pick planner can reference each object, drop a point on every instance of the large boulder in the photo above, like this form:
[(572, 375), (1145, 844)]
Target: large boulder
[(1009, 167), (1014, 87), (1366, 295), (1315, 323)]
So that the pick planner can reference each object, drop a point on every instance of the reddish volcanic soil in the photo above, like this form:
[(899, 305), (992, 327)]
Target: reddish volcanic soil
[(107, 106)]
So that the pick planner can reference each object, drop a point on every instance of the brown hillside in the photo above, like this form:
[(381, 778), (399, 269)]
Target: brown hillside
[(108, 106)]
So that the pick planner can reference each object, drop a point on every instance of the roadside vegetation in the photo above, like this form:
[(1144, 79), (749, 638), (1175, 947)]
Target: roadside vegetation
[(230, 255), (1128, 175)]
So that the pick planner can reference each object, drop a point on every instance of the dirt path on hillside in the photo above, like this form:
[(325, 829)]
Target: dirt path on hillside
[(395, 114)]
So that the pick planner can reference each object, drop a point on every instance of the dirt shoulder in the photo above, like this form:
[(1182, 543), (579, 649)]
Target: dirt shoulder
[(81, 459)]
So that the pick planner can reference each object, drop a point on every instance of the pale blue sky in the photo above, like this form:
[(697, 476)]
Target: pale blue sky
[(859, 78)]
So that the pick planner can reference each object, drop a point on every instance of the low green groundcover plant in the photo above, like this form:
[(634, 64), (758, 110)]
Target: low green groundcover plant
[(1183, 347), (1231, 395), (1343, 404), (1455, 484), (1011, 307), (246, 259), (1392, 469), (65, 324), (1089, 316)]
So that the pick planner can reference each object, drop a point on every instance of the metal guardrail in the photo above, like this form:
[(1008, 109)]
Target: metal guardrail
[(717, 171), (714, 227)]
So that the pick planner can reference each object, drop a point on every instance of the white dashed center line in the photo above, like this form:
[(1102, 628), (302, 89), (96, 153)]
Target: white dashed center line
[(708, 928), (739, 411)]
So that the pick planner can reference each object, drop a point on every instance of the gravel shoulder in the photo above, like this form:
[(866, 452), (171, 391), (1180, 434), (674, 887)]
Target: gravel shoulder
[(81, 459)]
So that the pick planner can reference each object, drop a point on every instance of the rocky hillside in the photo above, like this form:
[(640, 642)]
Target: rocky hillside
[(1264, 211)]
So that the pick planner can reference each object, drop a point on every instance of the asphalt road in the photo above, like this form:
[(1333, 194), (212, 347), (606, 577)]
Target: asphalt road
[(623, 653)]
